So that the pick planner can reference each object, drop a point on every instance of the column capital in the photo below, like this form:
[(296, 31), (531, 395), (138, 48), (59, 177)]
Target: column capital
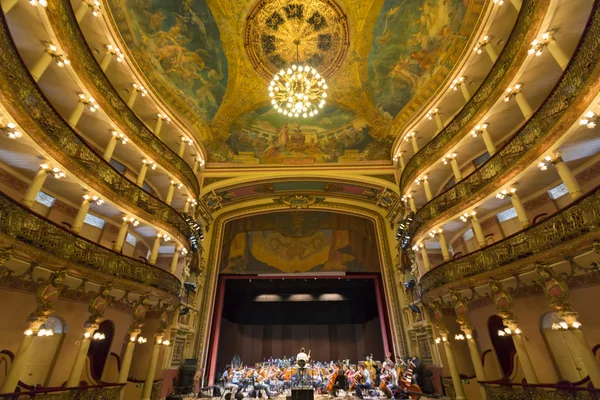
[(115, 52), (483, 42), (140, 89), (121, 137), (469, 216), (163, 117), (130, 220), (89, 102), (478, 129), (456, 83), (512, 91)]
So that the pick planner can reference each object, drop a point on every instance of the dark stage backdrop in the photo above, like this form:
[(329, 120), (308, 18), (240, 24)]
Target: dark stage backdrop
[(253, 343)]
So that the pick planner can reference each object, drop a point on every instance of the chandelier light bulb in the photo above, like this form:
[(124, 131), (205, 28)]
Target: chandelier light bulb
[(298, 91)]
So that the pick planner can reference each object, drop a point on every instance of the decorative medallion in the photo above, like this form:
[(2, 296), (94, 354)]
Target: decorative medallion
[(299, 201), (280, 33)]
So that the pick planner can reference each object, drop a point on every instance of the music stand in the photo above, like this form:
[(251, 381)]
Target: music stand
[(302, 367)]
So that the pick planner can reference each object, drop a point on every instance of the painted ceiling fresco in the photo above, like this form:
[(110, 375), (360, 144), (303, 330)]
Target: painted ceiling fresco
[(410, 41), (178, 44), (265, 136), (300, 241), (208, 60)]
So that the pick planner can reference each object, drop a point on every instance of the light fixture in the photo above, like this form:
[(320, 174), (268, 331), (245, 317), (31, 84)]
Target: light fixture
[(459, 336), (589, 119), (140, 89), (132, 338), (98, 336), (448, 157), (115, 52), (93, 199), (512, 92), (457, 82), (11, 131), (441, 339), (164, 236), (468, 336), (466, 216), (506, 192), (58, 174), (499, 2), (58, 58), (543, 165), (565, 326), (420, 179), (45, 332), (192, 201), (151, 164), (508, 332), (481, 44), (433, 112), (478, 130), (298, 91), (35, 3), (184, 251), (90, 102), (538, 45), (177, 184), (141, 340), (163, 117), (436, 232), (131, 220), (28, 332), (120, 137), (187, 140)]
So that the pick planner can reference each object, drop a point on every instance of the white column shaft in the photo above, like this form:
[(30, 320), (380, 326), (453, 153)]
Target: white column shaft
[(491, 52), (131, 99), (478, 232), (558, 54), (76, 114), (110, 148), (456, 170), (413, 206), (147, 391), (81, 11), (517, 4), (155, 249), (569, 180), (34, 188), (413, 142), (426, 263), (174, 261), (521, 213), (444, 247), (142, 175), (106, 61), (18, 364), (524, 359), (121, 236), (170, 193), (477, 365), (40, 66), (158, 126), (79, 363), (465, 91), (524, 105), (589, 360), (181, 150), (489, 143), (7, 5), (428, 193), (80, 217), (456, 381), (438, 121), (402, 161)]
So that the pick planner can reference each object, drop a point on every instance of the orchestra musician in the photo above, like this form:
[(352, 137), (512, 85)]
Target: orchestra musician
[(302, 360), (260, 381), (231, 381), (362, 380)]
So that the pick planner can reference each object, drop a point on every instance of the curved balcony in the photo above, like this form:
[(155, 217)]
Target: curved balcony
[(65, 26), (82, 255), (509, 62), (32, 111), (578, 222), (562, 108)]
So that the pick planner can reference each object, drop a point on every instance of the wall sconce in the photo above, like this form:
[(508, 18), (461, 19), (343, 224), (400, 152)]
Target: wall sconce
[(459, 336), (506, 192), (442, 339), (141, 340), (512, 92), (45, 332), (589, 119), (11, 131), (563, 325), (482, 43), (36, 3), (115, 52), (478, 130), (457, 82), (466, 216), (140, 89), (432, 113), (151, 164), (120, 137), (508, 332), (131, 220), (537, 46)]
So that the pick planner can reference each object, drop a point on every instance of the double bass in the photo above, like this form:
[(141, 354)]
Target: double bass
[(332, 380), (405, 385)]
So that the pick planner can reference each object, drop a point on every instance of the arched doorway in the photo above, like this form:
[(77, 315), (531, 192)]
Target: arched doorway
[(562, 348), (504, 346), (99, 349)]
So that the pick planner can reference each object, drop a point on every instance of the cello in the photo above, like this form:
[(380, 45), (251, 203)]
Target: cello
[(332, 380), (406, 386)]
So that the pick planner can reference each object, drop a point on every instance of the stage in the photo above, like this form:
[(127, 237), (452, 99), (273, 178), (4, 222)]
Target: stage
[(263, 317)]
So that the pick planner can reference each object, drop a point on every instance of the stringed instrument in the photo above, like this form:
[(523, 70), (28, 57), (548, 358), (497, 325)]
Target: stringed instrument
[(334, 377), (405, 385)]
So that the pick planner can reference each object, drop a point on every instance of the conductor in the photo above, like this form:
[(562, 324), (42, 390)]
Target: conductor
[(301, 360)]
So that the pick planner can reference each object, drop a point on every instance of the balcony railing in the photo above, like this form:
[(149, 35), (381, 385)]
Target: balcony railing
[(578, 219), (510, 60), (64, 24), (23, 99), (561, 109), (523, 391), (30, 228)]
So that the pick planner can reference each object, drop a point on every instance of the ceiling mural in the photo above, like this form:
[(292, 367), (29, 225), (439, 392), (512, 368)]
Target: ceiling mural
[(178, 44), (265, 136), (411, 41), (299, 241)]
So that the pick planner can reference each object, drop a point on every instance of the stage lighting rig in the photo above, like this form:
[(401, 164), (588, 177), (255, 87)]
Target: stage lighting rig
[(197, 233), (402, 234)]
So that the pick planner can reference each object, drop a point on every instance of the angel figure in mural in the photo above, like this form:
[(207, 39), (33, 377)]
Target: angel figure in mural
[(390, 14), (155, 20)]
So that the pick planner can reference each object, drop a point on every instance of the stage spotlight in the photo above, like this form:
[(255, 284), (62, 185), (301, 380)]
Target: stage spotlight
[(410, 284), (189, 286)]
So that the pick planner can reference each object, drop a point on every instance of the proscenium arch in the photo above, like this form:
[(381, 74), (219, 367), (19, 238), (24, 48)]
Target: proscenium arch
[(384, 244)]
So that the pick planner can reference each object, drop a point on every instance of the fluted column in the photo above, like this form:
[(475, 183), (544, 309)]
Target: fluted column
[(476, 359), (35, 186), (456, 381), (126, 362), (412, 137), (147, 391), (81, 356)]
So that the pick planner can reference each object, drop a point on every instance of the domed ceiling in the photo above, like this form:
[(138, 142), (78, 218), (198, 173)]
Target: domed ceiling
[(211, 61)]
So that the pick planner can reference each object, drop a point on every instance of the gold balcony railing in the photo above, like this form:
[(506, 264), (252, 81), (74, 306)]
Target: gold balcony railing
[(64, 24), (578, 219), (562, 108), (34, 230), (25, 102), (510, 60)]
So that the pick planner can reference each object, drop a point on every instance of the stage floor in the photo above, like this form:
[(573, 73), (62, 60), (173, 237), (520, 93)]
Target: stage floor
[(317, 397)]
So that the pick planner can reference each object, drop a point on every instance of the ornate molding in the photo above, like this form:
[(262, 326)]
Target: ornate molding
[(65, 26), (554, 238), (42, 241), (25, 102), (505, 68), (571, 96)]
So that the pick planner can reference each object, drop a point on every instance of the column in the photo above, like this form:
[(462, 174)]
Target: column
[(557, 53), (588, 358), (443, 245), (106, 61), (413, 141), (518, 205), (428, 193), (171, 192), (401, 160), (126, 362), (174, 260), (81, 10), (438, 121), (491, 52), (524, 359), (35, 186), (465, 91), (411, 202), (159, 123), (517, 4), (80, 107), (21, 360), (110, 52), (80, 217), (147, 391), (155, 248), (476, 227), (189, 202), (489, 143), (476, 358), (132, 96), (456, 381), (522, 102), (567, 177), (75, 375), (110, 147), (425, 256), (451, 158), (122, 235), (184, 141), (143, 170), (41, 66), (7, 5), (195, 164)]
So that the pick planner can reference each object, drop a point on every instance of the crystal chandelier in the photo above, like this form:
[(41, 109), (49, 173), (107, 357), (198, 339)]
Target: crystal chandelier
[(298, 91)]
